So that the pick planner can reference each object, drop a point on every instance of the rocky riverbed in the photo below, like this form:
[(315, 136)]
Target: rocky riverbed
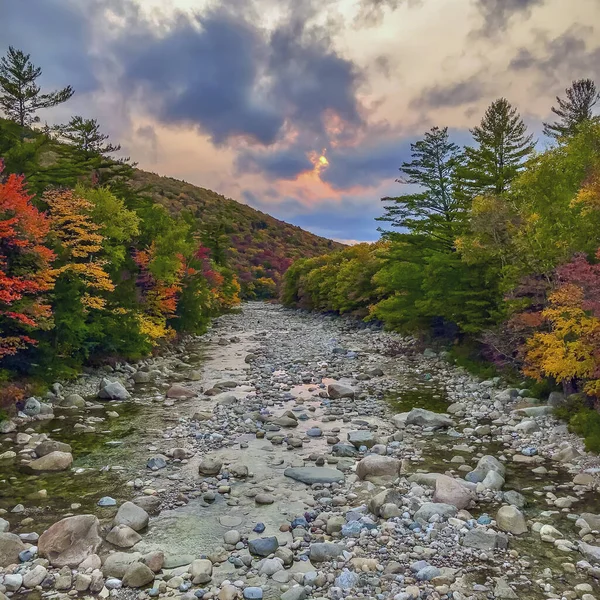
[(291, 455)]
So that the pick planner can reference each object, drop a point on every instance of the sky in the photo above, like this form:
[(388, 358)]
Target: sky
[(304, 109)]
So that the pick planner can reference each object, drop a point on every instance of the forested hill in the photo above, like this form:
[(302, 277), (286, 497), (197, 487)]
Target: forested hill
[(259, 247)]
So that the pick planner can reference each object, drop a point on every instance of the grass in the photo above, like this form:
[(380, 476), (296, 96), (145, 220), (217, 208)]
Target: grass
[(582, 419)]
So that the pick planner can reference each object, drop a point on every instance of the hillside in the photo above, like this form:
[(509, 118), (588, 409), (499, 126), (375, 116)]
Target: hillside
[(260, 246)]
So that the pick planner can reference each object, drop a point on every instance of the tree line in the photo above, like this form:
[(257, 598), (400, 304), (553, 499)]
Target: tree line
[(90, 267), (497, 245)]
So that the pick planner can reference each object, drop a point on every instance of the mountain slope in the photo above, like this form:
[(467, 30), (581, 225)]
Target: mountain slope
[(260, 247)]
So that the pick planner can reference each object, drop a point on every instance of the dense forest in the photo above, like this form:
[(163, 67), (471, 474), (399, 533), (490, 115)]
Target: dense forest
[(99, 260), (495, 248)]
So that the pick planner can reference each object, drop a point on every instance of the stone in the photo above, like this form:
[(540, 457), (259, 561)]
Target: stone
[(35, 577), (511, 519), (113, 390), (73, 400), (54, 461), (429, 509), (92, 562), (12, 582), (295, 593), (232, 537), (591, 553), (450, 491), (50, 446), (10, 548), (70, 541), (376, 467), (82, 582), (154, 560), (32, 407), (253, 593), (178, 392), (201, 571), (4, 525), (484, 466), (270, 566), (492, 481), (123, 536), (556, 399), (325, 551), (239, 471), (263, 546), (151, 504), (138, 575), (503, 591), (346, 580), (566, 454), (264, 498), (515, 498), (142, 377), (132, 515), (361, 438), (156, 462), (344, 450), (310, 475), (116, 564), (209, 466), (427, 418), (339, 390), (481, 539)]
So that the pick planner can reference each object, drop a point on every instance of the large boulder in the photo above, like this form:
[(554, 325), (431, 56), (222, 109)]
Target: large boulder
[(209, 466), (132, 515), (116, 564), (389, 496), (511, 520), (484, 466), (451, 491), (201, 571), (376, 468), (362, 437), (427, 418), (138, 575), (54, 461), (10, 547), (339, 390), (591, 553), (123, 536), (178, 392), (51, 446), (113, 390), (70, 541)]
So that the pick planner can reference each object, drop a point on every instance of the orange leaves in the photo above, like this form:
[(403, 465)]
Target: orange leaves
[(24, 266)]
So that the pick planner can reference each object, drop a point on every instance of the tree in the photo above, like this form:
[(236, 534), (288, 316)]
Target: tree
[(20, 96), (503, 146), (24, 267), (86, 136), (574, 110), (435, 210)]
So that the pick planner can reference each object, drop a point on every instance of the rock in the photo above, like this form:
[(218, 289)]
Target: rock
[(310, 475), (514, 498), (142, 377), (504, 591), (264, 499), (91, 562), (35, 576), (209, 466), (151, 504), (54, 461), (591, 553), (73, 400), (346, 580), (323, 552), (426, 418), (156, 462), (376, 467), (556, 399), (123, 536), (584, 479), (339, 390), (32, 407), (492, 481), (481, 539), (238, 471), (154, 560), (450, 491), (113, 390), (344, 450), (361, 438), (49, 446), (429, 509), (253, 593), (295, 593), (116, 564), (70, 541), (82, 582), (228, 592), (270, 566), (484, 466), (263, 546), (10, 548), (132, 515), (138, 575), (106, 501), (178, 392), (232, 537), (511, 520), (201, 571), (566, 454), (4, 525), (7, 426), (12, 582)]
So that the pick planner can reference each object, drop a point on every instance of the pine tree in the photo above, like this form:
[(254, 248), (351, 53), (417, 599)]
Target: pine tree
[(434, 210), (503, 146), (86, 136), (20, 96), (581, 98)]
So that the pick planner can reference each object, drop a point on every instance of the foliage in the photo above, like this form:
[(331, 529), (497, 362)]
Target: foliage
[(85, 136), (581, 97), (20, 96)]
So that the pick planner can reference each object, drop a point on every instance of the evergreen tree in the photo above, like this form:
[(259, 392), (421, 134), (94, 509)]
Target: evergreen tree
[(581, 98), (503, 146), (20, 96), (435, 210), (86, 136)]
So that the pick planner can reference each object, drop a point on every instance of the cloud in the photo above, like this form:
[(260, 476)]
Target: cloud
[(498, 13), (287, 163), (451, 94), (372, 12)]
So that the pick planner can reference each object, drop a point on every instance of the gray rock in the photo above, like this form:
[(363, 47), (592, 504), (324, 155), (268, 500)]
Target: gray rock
[(429, 509), (4, 525), (73, 400), (116, 564), (346, 580), (123, 536), (49, 446), (503, 591), (322, 552), (201, 571), (310, 475), (156, 462), (426, 418), (209, 466), (7, 426), (137, 575), (511, 520), (591, 553), (10, 548), (178, 392), (484, 466), (54, 461), (263, 546), (514, 498), (339, 390), (481, 539), (451, 491), (295, 593), (113, 390), (32, 407), (361, 438), (344, 450), (376, 467), (35, 576), (556, 399), (132, 515)]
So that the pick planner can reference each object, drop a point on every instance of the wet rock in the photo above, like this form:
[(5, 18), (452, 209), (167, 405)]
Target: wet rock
[(154, 560), (137, 575), (49, 446), (427, 418), (13, 582), (591, 553), (310, 475), (178, 392), (515, 498), (344, 450), (264, 499), (151, 504), (132, 515), (511, 520), (485, 465), (339, 390), (70, 541), (263, 546), (113, 390), (53, 461), (10, 547)]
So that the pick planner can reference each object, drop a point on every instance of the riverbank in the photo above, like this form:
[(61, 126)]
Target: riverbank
[(278, 456)]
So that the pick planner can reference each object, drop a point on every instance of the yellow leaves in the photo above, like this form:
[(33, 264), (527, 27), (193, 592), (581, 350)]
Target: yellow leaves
[(154, 328), (588, 197)]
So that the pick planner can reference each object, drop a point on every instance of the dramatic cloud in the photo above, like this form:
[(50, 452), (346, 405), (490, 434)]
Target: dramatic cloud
[(456, 93), (497, 13)]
